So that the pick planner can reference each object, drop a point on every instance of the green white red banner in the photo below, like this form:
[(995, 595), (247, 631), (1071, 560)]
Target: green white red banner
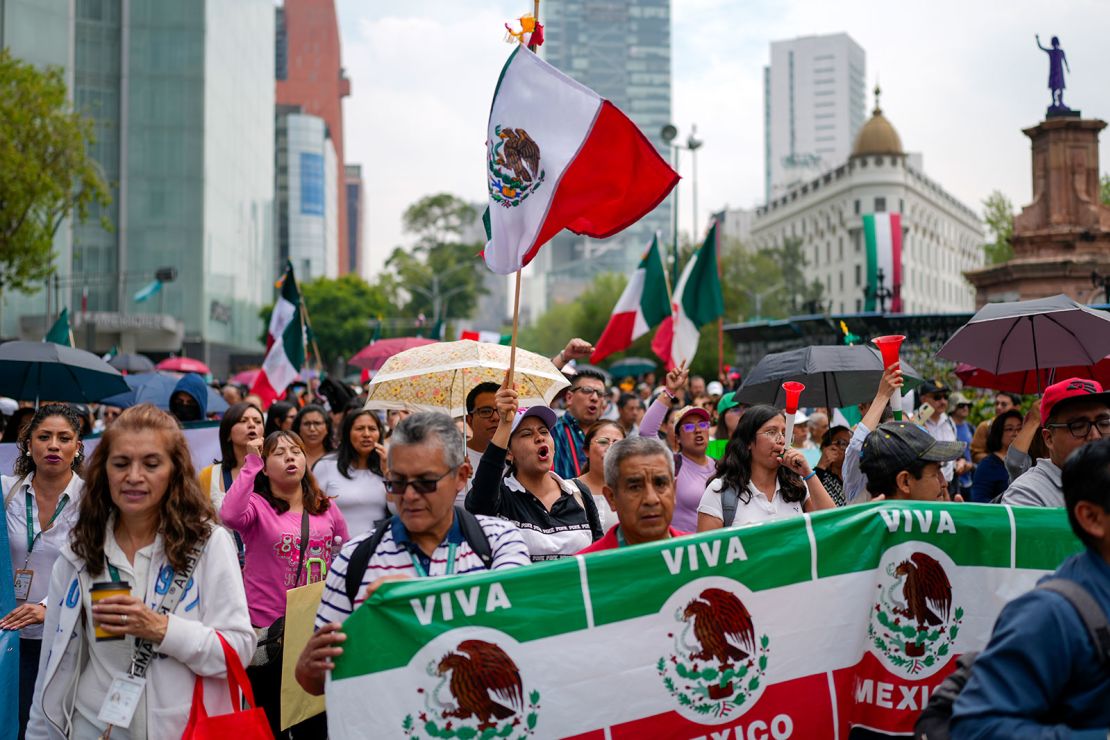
[(799, 628)]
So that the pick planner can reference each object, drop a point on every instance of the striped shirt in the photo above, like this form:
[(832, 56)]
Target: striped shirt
[(394, 556)]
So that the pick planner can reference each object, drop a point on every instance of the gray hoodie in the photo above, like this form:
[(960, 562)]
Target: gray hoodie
[(1038, 486)]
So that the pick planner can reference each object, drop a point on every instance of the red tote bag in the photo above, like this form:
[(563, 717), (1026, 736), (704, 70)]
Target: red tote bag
[(241, 724)]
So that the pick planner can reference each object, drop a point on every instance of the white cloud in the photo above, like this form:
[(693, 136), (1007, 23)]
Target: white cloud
[(960, 80)]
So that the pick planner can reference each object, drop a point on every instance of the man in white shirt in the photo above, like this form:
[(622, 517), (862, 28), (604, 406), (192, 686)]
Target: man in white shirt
[(940, 426)]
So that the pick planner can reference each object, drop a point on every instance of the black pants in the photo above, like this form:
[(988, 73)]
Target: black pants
[(266, 684), (29, 651)]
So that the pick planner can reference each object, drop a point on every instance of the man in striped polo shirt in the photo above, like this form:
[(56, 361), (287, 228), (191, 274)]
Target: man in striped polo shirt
[(427, 469)]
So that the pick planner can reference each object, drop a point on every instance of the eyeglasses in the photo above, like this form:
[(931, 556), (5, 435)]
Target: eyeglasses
[(595, 392), (1082, 427), (774, 434), (312, 424), (422, 486), (842, 444), (703, 425), (602, 441), (484, 412)]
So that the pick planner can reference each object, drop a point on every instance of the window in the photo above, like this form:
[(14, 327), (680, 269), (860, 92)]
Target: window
[(312, 184), (859, 278), (840, 248), (858, 305), (857, 206), (828, 252), (841, 282), (880, 205)]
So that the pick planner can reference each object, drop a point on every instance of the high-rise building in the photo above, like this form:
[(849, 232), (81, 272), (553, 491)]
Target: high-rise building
[(813, 105), (622, 50), (310, 76), (182, 101), (355, 214)]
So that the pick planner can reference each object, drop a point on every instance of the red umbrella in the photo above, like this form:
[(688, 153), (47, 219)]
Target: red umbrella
[(374, 355), (1025, 381), (246, 377), (183, 365)]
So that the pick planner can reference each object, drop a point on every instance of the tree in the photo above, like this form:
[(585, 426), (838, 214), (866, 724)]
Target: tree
[(998, 212), (45, 170), (802, 296), (1104, 189), (341, 312), (441, 276)]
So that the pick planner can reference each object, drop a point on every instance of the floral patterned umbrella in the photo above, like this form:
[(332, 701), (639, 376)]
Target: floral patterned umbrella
[(437, 377)]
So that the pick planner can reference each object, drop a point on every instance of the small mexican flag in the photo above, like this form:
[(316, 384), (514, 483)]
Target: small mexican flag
[(486, 336), (883, 234), (285, 343), (559, 156), (697, 301), (60, 333), (643, 304)]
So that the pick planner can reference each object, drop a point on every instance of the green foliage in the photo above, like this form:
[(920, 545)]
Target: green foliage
[(46, 173), (585, 317), (1104, 189), (998, 213)]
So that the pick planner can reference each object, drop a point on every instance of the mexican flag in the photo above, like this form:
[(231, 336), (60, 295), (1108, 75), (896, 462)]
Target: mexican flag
[(285, 343), (561, 157), (60, 332), (697, 301), (492, 337), (643, 304), (883, 234), (696, 636)]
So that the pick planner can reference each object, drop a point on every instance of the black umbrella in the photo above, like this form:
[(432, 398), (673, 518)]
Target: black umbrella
[(30, 371), (1031, 335), (133, 364), (834, 376)]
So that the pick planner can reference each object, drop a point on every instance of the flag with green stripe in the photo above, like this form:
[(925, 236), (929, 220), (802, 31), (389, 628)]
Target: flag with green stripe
[(285, 343), (883, 234)]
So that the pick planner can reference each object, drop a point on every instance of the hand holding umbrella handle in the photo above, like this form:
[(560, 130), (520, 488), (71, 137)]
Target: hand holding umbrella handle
[(793, 390)]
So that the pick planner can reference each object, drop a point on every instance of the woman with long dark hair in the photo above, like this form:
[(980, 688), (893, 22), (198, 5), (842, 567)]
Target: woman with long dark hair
[(313, 426), (241, 425), (599, 438), (279, 417), (144, 527), (765, 478), (40, 505), (355, 475), (991, 477), (291, 532)]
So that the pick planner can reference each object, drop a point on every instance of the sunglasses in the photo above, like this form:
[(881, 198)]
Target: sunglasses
[(703, 425), (423, 486)]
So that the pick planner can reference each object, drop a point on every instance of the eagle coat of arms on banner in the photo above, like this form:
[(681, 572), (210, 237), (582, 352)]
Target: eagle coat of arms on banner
[(479, 695), (914, 621), (718, 663), (514, 166)]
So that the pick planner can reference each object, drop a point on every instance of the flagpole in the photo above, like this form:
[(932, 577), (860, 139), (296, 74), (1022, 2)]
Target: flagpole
[(315, 346)]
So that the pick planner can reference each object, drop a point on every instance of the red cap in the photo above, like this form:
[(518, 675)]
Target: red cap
[(1070, 389)]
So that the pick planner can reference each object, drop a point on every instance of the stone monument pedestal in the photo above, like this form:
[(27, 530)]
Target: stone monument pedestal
[(1064, 234)]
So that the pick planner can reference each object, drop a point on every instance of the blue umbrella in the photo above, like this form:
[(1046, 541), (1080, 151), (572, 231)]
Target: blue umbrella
[(156, 388)]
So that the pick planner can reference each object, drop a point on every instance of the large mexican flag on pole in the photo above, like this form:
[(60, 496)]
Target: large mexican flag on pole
[(883, 235), (799, 628), (559, 156)]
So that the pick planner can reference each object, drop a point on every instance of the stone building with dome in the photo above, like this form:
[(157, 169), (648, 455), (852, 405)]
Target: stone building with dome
[(941, 237)]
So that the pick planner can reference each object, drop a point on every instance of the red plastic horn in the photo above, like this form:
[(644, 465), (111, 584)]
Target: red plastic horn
[(891, 347), (793, 393)]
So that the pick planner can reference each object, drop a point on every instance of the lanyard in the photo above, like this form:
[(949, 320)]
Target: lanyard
[(620, 538), (112, 571), (573, 450), (32, 538), (421, 573)]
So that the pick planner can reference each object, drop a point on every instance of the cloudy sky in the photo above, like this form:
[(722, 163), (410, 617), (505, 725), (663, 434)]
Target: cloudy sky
[(960, 80)]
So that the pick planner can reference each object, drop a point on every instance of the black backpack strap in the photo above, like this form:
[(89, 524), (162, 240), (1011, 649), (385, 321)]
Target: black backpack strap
[(593, 517), (360, 559), (1093, 615), (730, 499), (475, 536)]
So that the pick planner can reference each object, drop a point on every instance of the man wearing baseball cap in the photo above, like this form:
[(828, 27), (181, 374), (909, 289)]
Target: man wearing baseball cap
[(940, 425), (903, 461), (1074, 411)]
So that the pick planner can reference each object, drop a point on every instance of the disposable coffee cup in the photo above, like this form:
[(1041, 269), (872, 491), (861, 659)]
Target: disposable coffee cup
[(101, 591)]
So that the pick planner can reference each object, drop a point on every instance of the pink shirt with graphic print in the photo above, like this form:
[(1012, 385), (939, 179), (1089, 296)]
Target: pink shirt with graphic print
[(273, 543)]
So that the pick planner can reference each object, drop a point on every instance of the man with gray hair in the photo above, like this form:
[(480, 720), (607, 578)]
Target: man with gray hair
[(429, 536), (639, 486)]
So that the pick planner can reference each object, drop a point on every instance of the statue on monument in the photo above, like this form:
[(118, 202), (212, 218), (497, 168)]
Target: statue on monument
[(1057, 63)]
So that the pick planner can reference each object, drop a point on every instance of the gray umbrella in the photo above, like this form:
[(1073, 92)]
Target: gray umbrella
[(1031, 335), (30, 371), (834, 376), (129, 363)]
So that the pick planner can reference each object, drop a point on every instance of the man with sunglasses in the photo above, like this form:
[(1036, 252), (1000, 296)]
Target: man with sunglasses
[(586, 400), (1075, 411), (427, 537), (941, 426)]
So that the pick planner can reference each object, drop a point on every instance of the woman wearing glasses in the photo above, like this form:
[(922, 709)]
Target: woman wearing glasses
[(766, 479), (553, 516), (599, 438), (313, 425), (829, 467)]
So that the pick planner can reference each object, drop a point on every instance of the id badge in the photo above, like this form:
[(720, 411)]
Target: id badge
[(23, 580), (122, 700)]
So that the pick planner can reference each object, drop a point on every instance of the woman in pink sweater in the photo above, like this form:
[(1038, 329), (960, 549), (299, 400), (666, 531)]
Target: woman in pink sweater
[(275, 499)]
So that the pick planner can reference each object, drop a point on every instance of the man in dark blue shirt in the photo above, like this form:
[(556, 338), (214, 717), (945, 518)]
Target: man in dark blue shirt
[(1040, 676)]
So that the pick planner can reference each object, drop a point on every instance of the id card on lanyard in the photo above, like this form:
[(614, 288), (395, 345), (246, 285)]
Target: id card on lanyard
[(25, 576)]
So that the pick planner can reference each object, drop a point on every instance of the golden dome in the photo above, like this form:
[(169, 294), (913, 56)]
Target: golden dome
[(877, 136)]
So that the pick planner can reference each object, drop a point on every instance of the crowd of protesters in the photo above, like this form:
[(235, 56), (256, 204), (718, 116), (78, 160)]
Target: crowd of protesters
[(319, 488)]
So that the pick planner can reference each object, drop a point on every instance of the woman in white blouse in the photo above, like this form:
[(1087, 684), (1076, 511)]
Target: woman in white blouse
[(768, 479), (354, 476), (40, 506)]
